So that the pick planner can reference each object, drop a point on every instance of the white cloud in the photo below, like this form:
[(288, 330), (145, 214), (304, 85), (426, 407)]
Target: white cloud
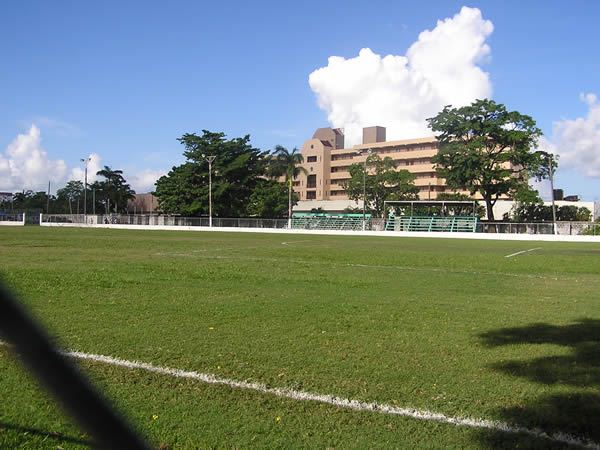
[(401, 91), (577, 141), (144, 180), (25, 164)]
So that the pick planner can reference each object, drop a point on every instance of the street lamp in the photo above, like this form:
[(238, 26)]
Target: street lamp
[(210, 159), (551, 173), (366, 152), (85, 161)]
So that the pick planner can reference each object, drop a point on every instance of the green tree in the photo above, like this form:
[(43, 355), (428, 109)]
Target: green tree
[(269, 200), (461, 210), (486, 149), (236, 170), (115, 189), (287, 164), (571, 213), (382, 182), (31, 202), (70, 193)]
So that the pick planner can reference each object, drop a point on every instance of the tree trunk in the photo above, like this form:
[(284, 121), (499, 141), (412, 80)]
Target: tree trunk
[(290, 204), (489, 208)]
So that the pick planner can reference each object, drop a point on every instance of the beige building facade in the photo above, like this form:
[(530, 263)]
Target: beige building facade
[(327, 163)]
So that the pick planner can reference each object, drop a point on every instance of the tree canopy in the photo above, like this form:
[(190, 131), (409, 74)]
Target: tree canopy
[(236, 169), (113, 190), (71, 192), (269, 200), (486, 149), (285, 163), (383, 182)]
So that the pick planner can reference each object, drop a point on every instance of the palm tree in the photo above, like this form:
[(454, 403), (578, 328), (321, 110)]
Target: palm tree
[(287, 164), (116, 186)]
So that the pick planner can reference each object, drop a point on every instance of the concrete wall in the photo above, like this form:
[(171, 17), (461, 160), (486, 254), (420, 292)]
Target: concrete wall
[(391, 234), (13, 223)]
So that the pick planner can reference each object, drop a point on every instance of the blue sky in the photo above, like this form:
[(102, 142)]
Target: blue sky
[(125, 79)]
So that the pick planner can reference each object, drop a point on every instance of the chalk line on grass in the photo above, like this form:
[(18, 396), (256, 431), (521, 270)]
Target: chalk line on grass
[(441, 270), (340, 402), (521, 252), (293, 242)]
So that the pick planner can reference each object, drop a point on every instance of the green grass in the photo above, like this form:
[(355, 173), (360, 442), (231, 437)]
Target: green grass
[(450, 326)]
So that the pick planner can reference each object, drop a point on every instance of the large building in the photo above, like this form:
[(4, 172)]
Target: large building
[(327, 162)]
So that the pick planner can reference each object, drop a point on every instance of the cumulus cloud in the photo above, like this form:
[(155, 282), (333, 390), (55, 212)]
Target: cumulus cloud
[(577, 141), (401, 91), (25, 164), (144, 181)]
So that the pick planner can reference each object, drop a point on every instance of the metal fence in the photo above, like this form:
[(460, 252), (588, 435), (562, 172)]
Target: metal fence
[(156, 220), (562, 228), (11, 217)]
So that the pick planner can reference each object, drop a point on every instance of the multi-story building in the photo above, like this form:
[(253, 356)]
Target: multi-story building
[(327, 162)]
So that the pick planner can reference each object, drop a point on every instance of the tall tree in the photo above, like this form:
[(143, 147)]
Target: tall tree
[(269, 200), (70, 193), (287, 164), (486, 149), (236, 170), (381, 182), (115, 189)]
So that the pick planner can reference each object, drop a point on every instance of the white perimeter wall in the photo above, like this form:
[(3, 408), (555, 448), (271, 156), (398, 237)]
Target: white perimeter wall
[(481, 236), (13, 223)]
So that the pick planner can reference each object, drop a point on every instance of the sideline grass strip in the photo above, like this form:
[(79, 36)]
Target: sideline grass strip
[(357, 405)]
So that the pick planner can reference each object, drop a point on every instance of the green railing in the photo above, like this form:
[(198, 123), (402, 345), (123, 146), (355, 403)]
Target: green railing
[(432, 223), (319, 221)]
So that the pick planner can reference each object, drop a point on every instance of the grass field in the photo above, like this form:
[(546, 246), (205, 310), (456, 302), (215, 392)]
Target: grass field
[(448, 326)]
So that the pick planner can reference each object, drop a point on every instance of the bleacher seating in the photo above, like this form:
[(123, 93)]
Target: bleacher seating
[(431, 223), (323, 221)]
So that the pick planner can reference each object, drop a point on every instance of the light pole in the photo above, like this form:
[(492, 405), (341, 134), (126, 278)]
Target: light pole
[(85, 161), (289, 202), (365, 152), (551, 173), (210, 159)]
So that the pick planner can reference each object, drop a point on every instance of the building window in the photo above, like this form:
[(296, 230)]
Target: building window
[(311, 195), (311, 181), (311, 159)]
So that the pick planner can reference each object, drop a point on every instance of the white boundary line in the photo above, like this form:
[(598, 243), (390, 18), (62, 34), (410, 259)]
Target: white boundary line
[(340, 402), (443, 271), (293, 242), (523, 251)]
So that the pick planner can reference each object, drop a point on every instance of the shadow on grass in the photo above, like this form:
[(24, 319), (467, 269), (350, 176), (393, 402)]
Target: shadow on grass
[(58, 437), (576, 413)]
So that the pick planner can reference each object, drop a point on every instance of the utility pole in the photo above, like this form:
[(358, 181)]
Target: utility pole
[(48, 199), (210, 159), (367, 152), (85, 161), (289, 202), (551, 170)]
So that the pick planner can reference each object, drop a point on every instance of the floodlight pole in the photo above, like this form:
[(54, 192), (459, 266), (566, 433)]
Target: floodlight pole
[(366, 152), (85, 161), (551, 170), (210, 159)]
